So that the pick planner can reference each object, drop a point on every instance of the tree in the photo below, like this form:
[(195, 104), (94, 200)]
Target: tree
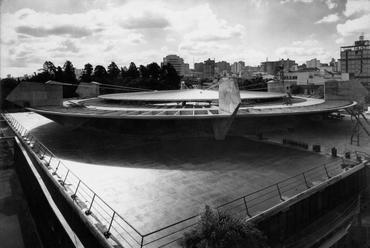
[(6, 86), (222, 231), (143, 71), (169, 77), (49, 68), (47, 72), (69, 77), (69, 72), (132, 71), (59, 74), (87, 73), (154, 70), (100, 74), (113, 71)]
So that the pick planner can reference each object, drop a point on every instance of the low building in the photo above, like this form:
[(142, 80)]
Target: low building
[(274, 67), (312, 80), (313, 76)]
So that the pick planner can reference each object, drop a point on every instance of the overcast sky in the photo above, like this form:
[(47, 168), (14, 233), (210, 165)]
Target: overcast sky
[(101, 31)]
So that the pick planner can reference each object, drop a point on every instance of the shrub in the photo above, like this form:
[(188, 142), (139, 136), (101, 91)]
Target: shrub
[(223, 231)]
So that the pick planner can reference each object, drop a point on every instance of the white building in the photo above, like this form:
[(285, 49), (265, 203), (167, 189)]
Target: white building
[(237, 67), (313, 76), (177, 62)]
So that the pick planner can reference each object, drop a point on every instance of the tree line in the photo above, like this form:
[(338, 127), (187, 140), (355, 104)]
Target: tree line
[(151, 76)]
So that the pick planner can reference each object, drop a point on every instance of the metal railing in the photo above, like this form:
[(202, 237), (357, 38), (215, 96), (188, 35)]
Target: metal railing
[(119, 230), (252, 204)]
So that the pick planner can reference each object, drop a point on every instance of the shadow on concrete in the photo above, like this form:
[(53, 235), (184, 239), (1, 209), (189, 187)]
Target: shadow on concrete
[(201, 153)]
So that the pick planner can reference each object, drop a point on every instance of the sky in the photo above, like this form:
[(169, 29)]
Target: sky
[(101, 31)]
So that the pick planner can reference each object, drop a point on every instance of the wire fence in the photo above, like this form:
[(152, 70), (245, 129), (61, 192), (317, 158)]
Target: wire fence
[(117, 229)]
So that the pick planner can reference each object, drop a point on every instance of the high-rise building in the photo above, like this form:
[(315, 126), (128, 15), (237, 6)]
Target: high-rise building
[(198, 67), (313, 63), (240, 66), (355, 59), (273, 67), (237, 67), (186, 69), (223, 66), (209, 69), (177, 63), (234, 67)]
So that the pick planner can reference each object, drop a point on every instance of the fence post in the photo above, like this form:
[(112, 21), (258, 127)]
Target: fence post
[(64, 181), (51, 157), (281, 197), (23, 131), (75, 194), (55, 172), (107, 233), (246, 207), (88, 212), (326, 170), (36, 146), (305, 180), (42, 153), (31, 140)]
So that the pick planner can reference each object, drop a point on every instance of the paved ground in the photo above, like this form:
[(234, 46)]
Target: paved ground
[(328, 134), (17, 228), (155, 183)]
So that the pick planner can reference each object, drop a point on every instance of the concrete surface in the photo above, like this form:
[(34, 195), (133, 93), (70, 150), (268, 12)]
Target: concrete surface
[(17, 229), (36, 94), (187, 95), (328, 134), (155, 183)]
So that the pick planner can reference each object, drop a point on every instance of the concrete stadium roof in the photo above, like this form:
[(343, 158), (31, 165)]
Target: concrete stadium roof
[(189, 95)]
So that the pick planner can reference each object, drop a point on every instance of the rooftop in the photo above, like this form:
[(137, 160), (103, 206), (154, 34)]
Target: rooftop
[(188, 95)]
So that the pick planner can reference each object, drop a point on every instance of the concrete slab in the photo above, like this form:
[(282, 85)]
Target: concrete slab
[(153, 183)]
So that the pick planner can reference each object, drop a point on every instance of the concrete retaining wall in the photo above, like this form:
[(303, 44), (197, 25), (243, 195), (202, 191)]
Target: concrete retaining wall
[(86, 90), (50, 223), (355, 89), (288, 220), (32, 174), (33, 94)]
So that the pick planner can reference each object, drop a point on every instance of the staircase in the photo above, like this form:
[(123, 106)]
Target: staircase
[(361, 122)]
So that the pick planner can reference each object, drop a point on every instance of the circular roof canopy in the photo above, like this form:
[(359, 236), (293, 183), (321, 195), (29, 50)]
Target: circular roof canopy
[(189, 95)]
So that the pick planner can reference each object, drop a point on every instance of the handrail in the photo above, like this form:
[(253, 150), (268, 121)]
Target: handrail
[(48, 157), (119, 229)]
